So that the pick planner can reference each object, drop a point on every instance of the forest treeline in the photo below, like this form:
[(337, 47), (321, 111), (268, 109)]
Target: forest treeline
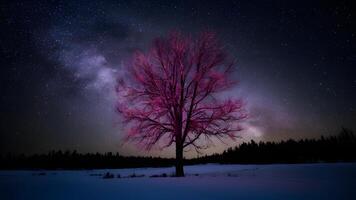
[(338, 148)]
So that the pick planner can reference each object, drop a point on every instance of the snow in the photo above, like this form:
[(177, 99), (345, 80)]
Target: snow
[(277, 181)]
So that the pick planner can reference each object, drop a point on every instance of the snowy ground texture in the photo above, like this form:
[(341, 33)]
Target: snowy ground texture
[(278, 181)]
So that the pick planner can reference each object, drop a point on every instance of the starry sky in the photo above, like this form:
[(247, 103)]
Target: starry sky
[(296, 64)]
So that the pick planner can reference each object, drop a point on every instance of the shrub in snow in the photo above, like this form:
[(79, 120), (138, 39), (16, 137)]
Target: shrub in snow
[(108, 175), (136, 176)]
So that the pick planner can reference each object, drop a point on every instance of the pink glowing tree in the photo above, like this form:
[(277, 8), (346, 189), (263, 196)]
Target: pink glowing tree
[(169, 95)]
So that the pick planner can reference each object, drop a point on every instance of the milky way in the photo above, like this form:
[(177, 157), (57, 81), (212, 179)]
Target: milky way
[(295, 67)]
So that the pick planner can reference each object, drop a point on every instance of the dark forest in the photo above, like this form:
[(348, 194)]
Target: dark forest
[(337, 148)]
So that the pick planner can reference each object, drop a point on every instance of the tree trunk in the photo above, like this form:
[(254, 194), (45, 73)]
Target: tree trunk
[(179, 159)]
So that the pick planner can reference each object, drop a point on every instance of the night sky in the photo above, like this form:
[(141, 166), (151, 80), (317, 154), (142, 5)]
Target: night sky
[(60, 59)]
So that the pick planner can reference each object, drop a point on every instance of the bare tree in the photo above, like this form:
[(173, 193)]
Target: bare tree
[(170, 95)]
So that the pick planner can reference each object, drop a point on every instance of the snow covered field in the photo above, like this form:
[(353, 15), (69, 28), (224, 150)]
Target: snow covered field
[(282, 181)]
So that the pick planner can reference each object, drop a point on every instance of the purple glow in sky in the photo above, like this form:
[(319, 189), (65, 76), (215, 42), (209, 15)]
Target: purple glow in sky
[(295, 67)]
